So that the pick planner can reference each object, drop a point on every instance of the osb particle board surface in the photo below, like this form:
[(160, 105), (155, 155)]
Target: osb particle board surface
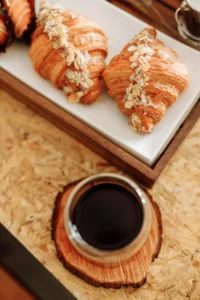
[(37, 160)]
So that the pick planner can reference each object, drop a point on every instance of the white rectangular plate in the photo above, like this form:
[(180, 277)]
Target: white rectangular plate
[(104, 116)]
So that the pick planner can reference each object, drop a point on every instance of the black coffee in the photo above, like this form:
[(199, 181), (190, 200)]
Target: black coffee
[(192, 25), (108, 217)]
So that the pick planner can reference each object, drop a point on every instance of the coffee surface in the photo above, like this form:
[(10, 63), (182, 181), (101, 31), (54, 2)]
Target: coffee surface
[(108, 217)]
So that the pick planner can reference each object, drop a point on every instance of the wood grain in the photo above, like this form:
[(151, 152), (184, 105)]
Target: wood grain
[(37, 160), (91, 138), (154, 13), (174, 4), (132, 271), (10, 289), (177, 193), (77, 129), (178, 138)]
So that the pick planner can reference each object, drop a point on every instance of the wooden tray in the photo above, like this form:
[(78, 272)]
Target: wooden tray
[(92, 139)]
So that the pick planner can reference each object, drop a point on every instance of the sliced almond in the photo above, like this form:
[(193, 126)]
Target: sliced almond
[(60, 29), (56, 44), (53, 33), (87, 83), (70, 57), (129, 89), (143, 98), (132, 58), (142, 38), (67, 89), (129, 104), (77, 63), (134, 64), (143, 60), (148, 57), (132, 77), (135, 90), (75, 97), (141, 82), (70, 74), (87, 57), (146, 67), (43, 15), (139, 69), (90, 82), (146, 78), (132, 48), (50, 23), (61, 42), (82, 40), (80, 94), (73, 16), (58, 20)]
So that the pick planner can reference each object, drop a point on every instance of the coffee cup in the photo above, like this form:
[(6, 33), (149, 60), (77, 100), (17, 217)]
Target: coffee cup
[(108, 218), (188, 19)]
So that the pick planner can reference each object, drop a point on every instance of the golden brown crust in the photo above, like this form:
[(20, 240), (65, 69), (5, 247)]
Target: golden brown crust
[(145, 78), (75, 65), (22, 15), (6, 32)]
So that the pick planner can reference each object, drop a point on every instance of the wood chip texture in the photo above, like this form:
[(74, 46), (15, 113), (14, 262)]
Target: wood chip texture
[(37, 160)]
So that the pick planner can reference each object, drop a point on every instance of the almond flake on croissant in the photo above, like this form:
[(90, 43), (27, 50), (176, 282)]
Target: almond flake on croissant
[(145, 78), (69, 50)]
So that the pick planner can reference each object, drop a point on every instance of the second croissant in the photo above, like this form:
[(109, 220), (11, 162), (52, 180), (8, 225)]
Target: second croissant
[(69, 50), (145, 78)]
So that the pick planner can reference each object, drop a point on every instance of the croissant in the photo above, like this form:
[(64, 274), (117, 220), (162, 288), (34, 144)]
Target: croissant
[(144, 79), (22, 16), (4, 33), (69, 50)]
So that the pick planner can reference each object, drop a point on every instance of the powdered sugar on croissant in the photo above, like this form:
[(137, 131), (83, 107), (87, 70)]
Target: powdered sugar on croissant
[(69, 50), (145, 78)]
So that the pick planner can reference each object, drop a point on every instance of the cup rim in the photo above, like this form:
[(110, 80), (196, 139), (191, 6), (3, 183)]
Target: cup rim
[(107, 256), (184, 30)]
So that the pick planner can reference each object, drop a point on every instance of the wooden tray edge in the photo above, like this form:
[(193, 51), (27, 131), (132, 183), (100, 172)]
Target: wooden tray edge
[(92, 139)]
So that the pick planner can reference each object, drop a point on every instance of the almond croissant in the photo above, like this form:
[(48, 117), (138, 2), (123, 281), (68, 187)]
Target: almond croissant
[(145, 78), (69, 50)]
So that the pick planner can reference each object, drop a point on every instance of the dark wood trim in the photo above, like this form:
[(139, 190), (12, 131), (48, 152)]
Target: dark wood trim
[(28, 271), (10, 287), (178, 138)]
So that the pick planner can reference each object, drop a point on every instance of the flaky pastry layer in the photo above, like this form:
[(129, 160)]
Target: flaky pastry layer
[(145, 78), (69, 50)]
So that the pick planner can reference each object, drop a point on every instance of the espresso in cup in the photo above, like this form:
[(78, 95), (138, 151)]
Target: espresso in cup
[(108, 217), (188, 19), (192, 17)]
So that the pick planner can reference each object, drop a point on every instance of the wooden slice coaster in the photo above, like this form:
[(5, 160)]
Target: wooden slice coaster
[(128, 272)]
